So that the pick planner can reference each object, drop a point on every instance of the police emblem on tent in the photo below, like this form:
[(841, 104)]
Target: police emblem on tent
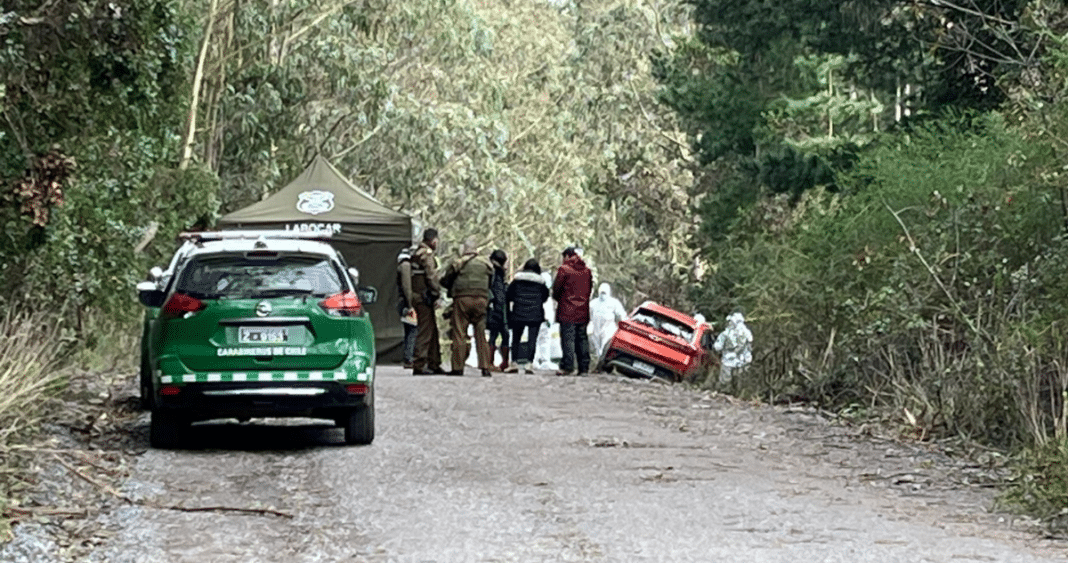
[(315, 202)]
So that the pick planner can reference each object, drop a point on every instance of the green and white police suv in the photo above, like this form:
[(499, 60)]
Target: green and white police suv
[(257, 324)]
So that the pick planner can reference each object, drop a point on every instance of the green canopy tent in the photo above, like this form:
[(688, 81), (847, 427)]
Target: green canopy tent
[(367, 233)]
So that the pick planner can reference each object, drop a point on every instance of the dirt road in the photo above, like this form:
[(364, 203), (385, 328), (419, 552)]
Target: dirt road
[(541, 468)]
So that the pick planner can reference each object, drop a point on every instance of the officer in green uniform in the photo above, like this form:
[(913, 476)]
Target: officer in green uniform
[(468, 281), (426, 289)]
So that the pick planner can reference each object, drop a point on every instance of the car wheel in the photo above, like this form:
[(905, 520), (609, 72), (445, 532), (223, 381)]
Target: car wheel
[(360, 426), (166, 429), (600, 367)]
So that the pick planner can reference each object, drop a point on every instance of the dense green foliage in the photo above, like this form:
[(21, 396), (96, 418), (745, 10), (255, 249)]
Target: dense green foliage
[(784, 95), (882, 191), (1041, 485), (90, 95)]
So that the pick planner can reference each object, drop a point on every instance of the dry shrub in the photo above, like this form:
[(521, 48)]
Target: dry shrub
[(1040, 486), (32, 346)]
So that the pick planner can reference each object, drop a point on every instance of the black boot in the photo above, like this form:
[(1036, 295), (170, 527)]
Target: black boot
[(504, 358)]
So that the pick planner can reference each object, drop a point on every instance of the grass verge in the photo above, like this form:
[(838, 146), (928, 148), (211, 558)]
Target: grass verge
[(39, 354), (1040, 486), (32, 350)]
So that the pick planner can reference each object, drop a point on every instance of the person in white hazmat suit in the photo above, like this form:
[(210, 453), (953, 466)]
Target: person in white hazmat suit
[(605, 313), (547, 349), (736, 345)]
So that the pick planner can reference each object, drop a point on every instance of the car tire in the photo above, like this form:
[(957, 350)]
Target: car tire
[(600, 367), (166, 429), (360, 426)]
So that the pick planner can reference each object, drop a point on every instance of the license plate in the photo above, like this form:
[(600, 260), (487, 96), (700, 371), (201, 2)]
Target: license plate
[(644, 367), (262, 335)]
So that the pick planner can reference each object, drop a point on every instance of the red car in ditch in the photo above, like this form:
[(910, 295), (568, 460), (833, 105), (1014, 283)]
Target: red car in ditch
[(656, 341)]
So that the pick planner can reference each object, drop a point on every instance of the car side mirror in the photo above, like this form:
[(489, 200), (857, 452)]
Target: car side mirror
[(149, 295), (368, 295), (355, 275), (155, 273)]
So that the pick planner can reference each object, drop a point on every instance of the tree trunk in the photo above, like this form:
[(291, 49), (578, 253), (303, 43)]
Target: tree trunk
[(198, 78)]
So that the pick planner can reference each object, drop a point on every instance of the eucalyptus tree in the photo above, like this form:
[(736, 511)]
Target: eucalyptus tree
[(530, 124)]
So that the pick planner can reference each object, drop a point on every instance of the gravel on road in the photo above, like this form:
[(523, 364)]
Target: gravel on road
[(518, 468)]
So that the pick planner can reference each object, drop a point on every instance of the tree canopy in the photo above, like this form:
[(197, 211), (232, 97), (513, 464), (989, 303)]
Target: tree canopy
[(452, 111)]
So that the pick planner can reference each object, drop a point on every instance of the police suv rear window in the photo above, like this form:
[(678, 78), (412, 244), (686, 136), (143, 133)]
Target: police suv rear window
[(237, 276)]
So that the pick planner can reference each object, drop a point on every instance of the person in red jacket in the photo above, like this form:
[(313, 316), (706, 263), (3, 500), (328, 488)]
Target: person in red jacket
[(571, 291)]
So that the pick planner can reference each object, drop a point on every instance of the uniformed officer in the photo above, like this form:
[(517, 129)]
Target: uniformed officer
[(426, 290), (468, 281)]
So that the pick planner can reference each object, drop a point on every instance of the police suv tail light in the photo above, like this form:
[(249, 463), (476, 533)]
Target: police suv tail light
[(344, 304), (356, 389), (181, 306)]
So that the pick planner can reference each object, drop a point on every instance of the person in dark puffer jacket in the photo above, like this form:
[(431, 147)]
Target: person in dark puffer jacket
[(526, 296), (497, 315)]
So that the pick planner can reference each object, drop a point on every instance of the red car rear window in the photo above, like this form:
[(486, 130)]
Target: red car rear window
[(663, 324)]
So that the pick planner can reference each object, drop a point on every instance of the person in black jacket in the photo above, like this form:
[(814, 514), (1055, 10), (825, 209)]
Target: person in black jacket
[(497, 318), (526, 296)]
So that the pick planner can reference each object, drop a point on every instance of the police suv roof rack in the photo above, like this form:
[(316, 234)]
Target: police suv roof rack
[(201, 236)]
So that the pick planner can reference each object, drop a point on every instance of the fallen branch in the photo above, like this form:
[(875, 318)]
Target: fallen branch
[(149, 504), (33, 512), (102, 486), (260, 511)]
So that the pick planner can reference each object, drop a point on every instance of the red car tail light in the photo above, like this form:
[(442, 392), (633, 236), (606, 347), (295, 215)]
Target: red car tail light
[(181, 305), (356, 389), (169, 390), (344, 304)]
